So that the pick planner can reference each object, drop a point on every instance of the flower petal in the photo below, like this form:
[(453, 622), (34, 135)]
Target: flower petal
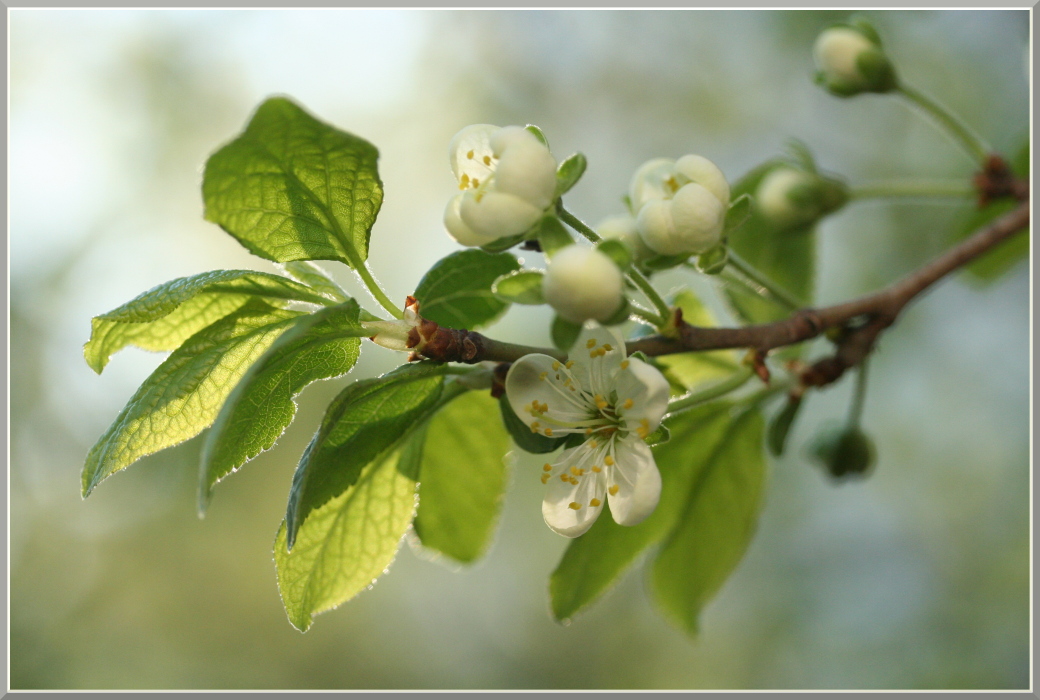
[(638, 482), (458, 229), (648, 182), (567, 507), (648, 391), (706, 174), (525, 167), (539, 379), (593, 370), (467, 151), (497, 214)]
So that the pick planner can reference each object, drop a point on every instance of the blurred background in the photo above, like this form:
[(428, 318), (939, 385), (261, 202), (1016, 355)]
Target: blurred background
[(916, 577)]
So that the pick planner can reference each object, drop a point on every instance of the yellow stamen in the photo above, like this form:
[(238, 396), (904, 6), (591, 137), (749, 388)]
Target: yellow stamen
[(609, 461), (487, 160), (607, 347), (470, 155), (591, 344), (588, 431), (614, 489), (593, 444), (572, 481), (564, 477), (476, 182), (543, 375), (597, 470), (624, 364), (574, 506), (545, 478), (628, 403), (570, 363), (547, 467), (595, 502), (556, 366), (534, 427), (548, 432)]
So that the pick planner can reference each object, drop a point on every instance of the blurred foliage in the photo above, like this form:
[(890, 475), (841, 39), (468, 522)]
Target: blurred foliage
[(917, 578)]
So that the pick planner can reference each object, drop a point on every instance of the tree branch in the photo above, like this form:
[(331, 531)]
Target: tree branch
[(862, 319)]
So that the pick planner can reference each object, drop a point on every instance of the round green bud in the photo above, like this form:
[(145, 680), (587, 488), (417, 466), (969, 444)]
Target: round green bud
[(844, 452), (849, 60)]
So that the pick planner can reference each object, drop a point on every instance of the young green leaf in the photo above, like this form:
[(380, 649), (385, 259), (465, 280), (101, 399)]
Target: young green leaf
[(787, 257), (462, 477), (594, 561), (349, 541), (692, 370), (184, 394), (717, 522), (291, 187), (780, 426), (520, 287), (525, 439), (456, 292), (569, 172), (366, 422), (317, 279), (164, 317), (323, 345)]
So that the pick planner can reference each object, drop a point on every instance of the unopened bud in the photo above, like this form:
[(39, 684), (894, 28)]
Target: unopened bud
[(582, 283), (844, 451), (789, 198), (849, 60)]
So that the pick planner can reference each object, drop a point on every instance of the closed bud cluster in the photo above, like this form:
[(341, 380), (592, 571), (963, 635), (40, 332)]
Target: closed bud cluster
[(849, 60), (508, 180), (788, 198), (581, 284), (679, 205)]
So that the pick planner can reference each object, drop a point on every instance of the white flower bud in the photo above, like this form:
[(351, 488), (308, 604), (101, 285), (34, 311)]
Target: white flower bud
[(773, 196), (680, 206), (508, 178), (582, 283), (850, 62)]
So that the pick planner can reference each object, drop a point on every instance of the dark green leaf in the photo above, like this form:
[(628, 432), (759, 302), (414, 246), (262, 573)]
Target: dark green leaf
[(551, 235), (716, 524), (520, 287), (456, 292), (594, 561), (564, 333), (323, 345), (780, 426), (523, 436), (184, 394), (569, 172), (462, 477), (293, 188), (164, 317), (366, 422), (316, 278), (349, 541)]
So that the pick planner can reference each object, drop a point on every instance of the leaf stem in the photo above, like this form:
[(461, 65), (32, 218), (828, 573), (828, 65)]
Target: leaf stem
[(860, 392), (376, 291), (731, 383), (950, 122), (664, 313), (911, 188), (779, 293)]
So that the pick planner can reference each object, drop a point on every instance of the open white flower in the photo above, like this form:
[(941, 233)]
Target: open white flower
[(614, 403), (508, 180), (680, 205)]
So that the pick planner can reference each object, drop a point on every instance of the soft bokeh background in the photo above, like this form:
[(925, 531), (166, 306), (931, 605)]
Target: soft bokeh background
[(914, 578)]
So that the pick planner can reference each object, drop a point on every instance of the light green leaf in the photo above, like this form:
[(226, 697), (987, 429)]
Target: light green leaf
[(349, 541), (689, 371), (323, 345), (366, 422), (317, 279), (164, 317), (184, 394), (569, 172), (293, 188), (520, 287), (787, 257), (594, 561), (456, 292), (717, 523), (463, 477)]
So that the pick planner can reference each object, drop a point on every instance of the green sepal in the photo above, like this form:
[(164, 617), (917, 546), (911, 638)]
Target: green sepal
[(539, 134), (520, 287), (656, 263), (525, 439), (780, 426), (551, 235), (624, 310), (801, 156), (503, 244), (877, 70), (569, 172), (640, 355), (713, 261), (564, 333), (659, 436), (616, 251)]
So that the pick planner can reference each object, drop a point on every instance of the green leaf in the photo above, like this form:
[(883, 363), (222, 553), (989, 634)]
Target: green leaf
[(569, 172), (505, 243), (317, 279), (564, 333), (365, 423), (551, 235), (525, 439), (323, 345), (780, 426), (456, 292), (616, 251), (462, 477), (738, 213), (349, 541), (520, 287), (165, 316), (716, 524), (594, 561), (291, 187), (689, 371), (994, 263), (788, 257), (184, 394)]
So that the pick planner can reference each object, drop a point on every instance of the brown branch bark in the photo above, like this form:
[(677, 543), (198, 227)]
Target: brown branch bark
[(863, 319)]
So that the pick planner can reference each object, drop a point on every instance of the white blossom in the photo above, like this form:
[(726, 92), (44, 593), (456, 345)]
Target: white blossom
[(582, 283), (680, 206), (613, 402), (508, 180)]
